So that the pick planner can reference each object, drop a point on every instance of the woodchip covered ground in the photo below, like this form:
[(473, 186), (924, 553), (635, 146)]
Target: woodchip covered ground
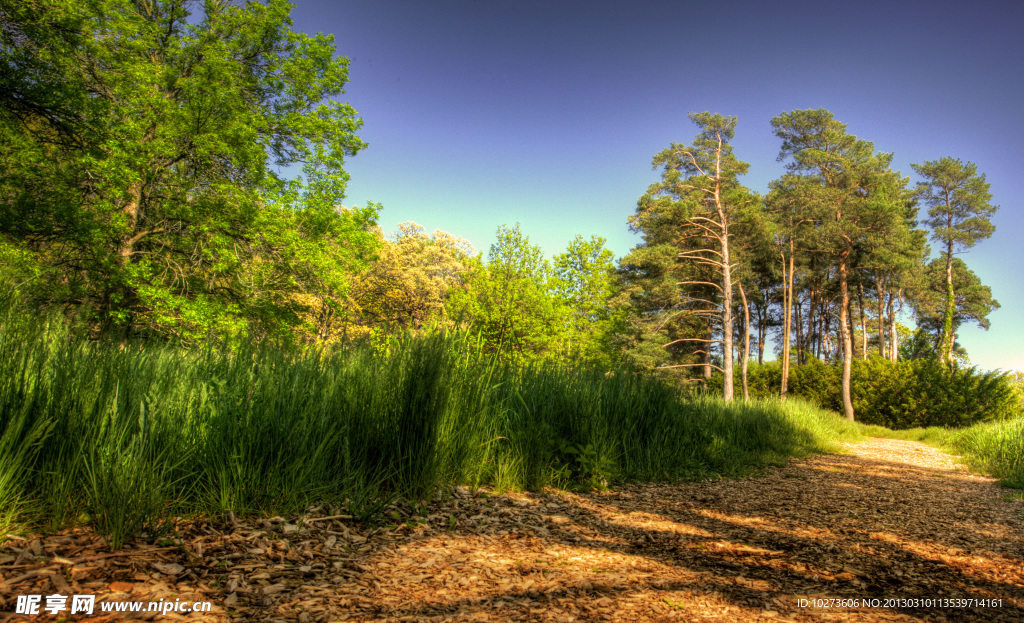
[(894, 521)]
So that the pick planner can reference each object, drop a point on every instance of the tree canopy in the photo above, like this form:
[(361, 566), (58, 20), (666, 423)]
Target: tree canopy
[(957, 198), (140, 146), (850, 194)]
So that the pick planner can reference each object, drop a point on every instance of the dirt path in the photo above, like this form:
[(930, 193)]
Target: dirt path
[(894, 521)]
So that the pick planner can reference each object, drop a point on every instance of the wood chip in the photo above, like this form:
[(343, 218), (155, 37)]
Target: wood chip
[(892, 517)]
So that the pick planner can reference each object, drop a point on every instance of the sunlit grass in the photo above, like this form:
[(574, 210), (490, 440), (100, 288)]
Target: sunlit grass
[(933, 435), (997, 448)]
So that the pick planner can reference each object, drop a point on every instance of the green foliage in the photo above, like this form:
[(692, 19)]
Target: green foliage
[(997, 448), (924, 393), (583, 282), (650, 324), (140, 144), (510, 300), (959, 212), (410, 283), (849, 193), (972, 301), (899, 395), (687, 216), (957, 198)]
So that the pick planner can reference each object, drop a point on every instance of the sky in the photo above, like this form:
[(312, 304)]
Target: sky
[(479, 113)]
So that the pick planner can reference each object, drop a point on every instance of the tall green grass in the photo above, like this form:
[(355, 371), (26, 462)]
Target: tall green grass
[(126, 439), (996, 448)]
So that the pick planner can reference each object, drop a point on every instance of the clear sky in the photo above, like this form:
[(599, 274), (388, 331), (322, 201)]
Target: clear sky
[(547, 113)]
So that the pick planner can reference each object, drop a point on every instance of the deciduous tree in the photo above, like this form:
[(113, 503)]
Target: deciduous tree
[(139, 161), (510, 300), (583, 281)]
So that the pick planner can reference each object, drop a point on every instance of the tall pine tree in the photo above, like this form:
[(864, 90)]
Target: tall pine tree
[(958, 213), (851, 195)]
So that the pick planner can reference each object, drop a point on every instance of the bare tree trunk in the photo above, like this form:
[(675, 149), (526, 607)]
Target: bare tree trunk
[(727, 335), (863, 323), (881, 317), (844, 330), (816, 325), (746, 342), (825, 330), (787, 318), (801, 335), (762, 331), (893, 335), (851, 328)]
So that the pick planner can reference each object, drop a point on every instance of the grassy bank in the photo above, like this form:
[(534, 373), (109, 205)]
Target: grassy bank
[(124, 439)]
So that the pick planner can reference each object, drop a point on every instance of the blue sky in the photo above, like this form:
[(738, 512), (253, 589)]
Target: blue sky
[(483, 113)]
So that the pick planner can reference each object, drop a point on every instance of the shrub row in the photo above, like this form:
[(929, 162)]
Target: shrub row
[(898, 395)]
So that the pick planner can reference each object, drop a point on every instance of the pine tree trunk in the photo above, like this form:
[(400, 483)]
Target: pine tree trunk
[(787, 316), (881, 318), (893, 339), (815, 325), (825, 331), (727, 329), (947, 320), (863, 323), (762, 331), (851, 328), (844, 330), (746, 342), (801, 335)]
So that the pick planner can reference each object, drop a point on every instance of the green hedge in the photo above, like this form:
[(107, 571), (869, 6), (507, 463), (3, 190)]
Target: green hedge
[(904, 394)]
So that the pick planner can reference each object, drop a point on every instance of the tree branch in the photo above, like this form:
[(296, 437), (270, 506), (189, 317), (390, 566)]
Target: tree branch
[(692, 340), (707, 283), (691, 365)]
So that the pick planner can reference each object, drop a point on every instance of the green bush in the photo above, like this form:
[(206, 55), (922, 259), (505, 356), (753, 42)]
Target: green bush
[(818, 383), (924, 392), (900, 395), (815, 382)]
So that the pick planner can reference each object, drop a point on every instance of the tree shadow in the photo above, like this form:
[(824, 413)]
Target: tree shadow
[(834, 527)]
